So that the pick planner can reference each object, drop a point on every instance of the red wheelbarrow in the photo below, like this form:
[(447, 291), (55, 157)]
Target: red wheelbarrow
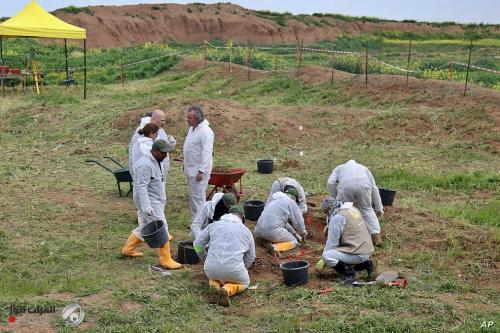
[(225, 179)]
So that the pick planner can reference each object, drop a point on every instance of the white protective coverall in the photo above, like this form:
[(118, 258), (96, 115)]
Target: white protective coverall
[(205, 215), (273, 222), (150, 196), (279, 186), (133, 140), (231, 250), (356, 184), (336, 227), (198, 149), (141, 147)]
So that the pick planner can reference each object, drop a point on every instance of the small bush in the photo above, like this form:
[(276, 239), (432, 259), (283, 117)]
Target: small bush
[(76, 10), (326, 22), (281, 21)]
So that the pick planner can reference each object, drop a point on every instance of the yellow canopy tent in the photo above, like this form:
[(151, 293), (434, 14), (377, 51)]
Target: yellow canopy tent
[(34, 21)]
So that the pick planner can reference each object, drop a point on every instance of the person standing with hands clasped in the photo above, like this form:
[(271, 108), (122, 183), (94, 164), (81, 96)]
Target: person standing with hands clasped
[(198, 149)]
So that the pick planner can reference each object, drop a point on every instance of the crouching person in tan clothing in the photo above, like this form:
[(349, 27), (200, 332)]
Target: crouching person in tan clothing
[(349, 245)]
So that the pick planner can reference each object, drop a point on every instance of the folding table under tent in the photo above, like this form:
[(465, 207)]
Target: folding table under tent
[(34, 21)]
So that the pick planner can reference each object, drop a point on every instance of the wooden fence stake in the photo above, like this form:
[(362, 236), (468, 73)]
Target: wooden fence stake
[(297, 56), (468, 67), (300, 53), (332, 66), (121, 73), (205, 55), (366, 68), (230, 54), (275, 61), (408, 64), (451, 71), (248, 63)]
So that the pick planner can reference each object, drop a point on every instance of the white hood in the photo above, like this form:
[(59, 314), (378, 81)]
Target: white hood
[(231, 217), (144, 122), (145, 144)]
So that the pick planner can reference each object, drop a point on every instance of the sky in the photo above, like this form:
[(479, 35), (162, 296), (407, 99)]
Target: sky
[(462, 11)]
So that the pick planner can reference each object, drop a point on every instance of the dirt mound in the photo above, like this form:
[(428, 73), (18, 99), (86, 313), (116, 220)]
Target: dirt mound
[(289, 164), (422, 232), (318, 74), (111, 26)]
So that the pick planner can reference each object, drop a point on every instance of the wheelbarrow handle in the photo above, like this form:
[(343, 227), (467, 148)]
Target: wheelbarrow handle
[(98, 163), (112, 159)]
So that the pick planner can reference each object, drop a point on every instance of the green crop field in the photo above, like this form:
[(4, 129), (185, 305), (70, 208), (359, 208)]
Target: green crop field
[(430, 58), (63, 224)]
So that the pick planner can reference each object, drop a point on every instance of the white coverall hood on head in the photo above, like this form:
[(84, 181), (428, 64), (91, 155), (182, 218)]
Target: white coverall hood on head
[(144, 121), (145, 145), (273, 225), (232, 250), (133, 140), (279, 186), (204, 215)]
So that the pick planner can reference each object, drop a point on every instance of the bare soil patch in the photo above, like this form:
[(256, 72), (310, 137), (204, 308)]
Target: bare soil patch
[(289, 164), (130, 307), (113, 26), (85, 203)]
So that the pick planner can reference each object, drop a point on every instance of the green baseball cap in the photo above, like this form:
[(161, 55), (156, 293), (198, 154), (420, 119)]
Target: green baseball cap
[(237, 209), (293, 192), (229, 199), (162, 146)]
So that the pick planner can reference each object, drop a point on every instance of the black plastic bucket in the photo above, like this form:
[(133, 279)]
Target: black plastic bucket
[(295, 272), (253, 209), (186, 253), (265, 166), (155, 234), (387, 196)]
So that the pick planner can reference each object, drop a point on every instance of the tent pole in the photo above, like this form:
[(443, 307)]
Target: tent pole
[(85, 69), (66, 57)]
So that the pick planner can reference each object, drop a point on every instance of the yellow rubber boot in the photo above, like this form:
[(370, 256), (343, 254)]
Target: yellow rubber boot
[(166, 258), (285, 246), (131, 244), (213, 296), (228, 290)]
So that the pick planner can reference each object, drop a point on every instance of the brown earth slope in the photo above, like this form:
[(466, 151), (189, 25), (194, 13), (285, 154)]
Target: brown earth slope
[(111, 26)]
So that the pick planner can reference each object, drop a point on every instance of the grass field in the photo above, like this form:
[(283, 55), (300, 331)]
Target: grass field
[(63, 224)]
